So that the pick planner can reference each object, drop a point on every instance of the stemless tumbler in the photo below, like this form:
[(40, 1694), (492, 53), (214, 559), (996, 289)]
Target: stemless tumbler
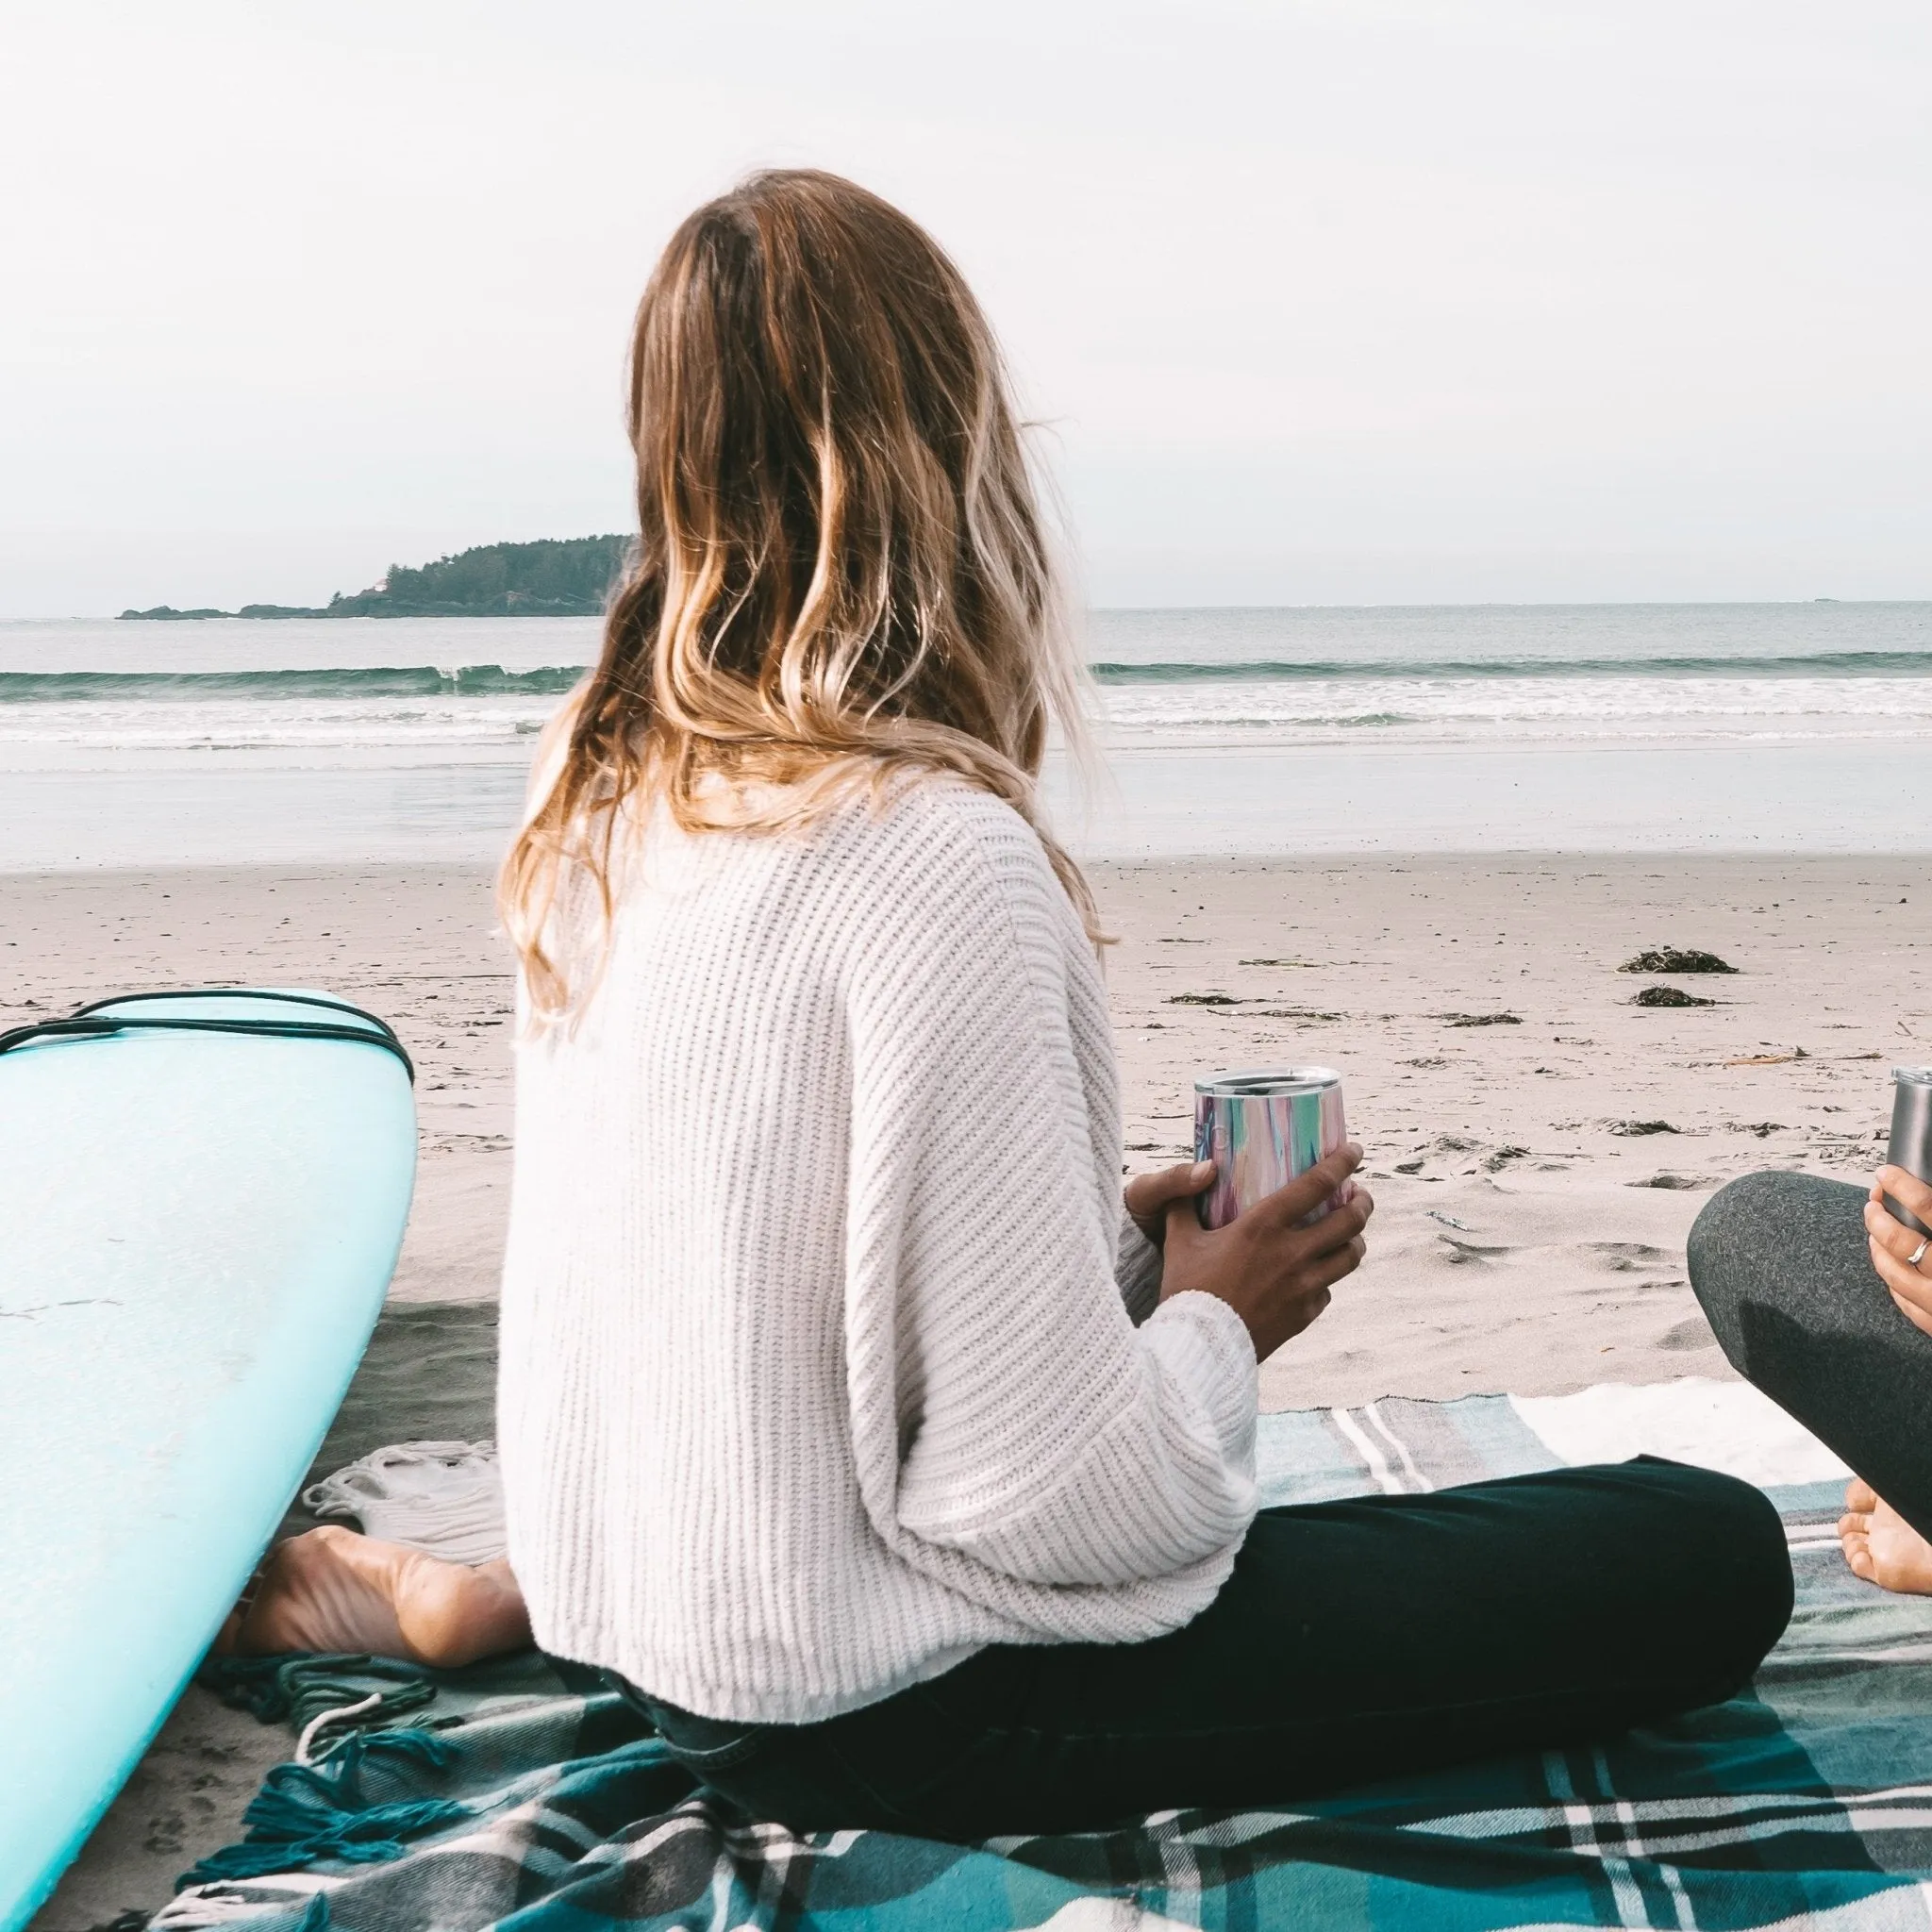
[(1262, 1128), (1912, 1133)]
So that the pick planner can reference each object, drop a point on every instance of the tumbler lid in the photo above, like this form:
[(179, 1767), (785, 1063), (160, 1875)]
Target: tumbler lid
[(1913, 1077), (1267, 1082)]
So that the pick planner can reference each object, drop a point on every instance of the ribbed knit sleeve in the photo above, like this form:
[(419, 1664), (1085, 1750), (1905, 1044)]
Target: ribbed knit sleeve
[(1003, 1405), (1137, 1270)]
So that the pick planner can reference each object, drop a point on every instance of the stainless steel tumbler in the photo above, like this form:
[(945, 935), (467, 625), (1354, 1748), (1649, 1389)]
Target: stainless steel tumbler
[(1912, 1133), (1263, 1128)]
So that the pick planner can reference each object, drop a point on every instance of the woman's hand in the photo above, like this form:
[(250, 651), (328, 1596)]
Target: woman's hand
[(1892, 1243), (1150, 1195), (1273, 1273)]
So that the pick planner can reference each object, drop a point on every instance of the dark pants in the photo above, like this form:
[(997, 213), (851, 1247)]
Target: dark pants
[(1780, 1263), (1354, 1641)]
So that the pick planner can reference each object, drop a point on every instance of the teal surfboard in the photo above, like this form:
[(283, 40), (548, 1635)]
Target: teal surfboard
[(197, 1226)]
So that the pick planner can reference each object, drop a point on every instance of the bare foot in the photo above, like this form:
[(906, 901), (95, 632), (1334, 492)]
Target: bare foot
[(1880, 1545), (333, 1589)]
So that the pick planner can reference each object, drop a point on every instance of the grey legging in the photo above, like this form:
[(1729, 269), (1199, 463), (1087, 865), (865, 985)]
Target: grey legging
[(1780, 1263)]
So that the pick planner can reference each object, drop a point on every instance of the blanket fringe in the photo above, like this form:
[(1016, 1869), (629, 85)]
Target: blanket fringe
[(305, 1813), (300, 1686), (442, 1498)]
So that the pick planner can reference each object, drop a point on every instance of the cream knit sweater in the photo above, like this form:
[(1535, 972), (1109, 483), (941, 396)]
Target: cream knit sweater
[(817, 1375)]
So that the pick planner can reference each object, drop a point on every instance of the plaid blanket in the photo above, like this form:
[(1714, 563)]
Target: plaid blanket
[(1807, 1803)]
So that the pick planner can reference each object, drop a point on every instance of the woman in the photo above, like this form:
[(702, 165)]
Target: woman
[(827, 1428), (1823, 1299)]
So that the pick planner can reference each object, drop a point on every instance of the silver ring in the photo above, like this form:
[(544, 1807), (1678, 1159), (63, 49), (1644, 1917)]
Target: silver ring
[(1918, 1253)]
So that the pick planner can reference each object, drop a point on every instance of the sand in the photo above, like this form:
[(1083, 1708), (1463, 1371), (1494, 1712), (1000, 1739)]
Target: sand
[(1573, 1141), (1527, 1236)]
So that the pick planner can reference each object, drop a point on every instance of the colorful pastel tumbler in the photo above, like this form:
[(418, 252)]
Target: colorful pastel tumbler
[(1261, 1129)]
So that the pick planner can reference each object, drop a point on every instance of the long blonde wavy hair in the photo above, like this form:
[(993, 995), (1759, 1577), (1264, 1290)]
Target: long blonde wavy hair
[(843, 575)]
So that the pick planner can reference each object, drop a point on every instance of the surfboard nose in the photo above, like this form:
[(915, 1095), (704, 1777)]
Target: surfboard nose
[(202, 1220)]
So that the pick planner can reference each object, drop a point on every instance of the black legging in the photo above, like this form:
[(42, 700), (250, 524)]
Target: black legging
[(1780, 1263), (1354, 1641)]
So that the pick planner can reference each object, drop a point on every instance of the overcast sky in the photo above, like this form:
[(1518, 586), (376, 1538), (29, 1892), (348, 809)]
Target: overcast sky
[(1342, 302)]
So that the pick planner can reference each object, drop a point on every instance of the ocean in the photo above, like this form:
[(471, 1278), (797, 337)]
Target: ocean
[(1648, 727)]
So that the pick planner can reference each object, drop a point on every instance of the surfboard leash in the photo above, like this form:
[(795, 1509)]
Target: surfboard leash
[(97, 1020)]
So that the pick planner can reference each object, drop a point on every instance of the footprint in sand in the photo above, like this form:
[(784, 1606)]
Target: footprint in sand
[(1461, 1252), (1628, 1258)]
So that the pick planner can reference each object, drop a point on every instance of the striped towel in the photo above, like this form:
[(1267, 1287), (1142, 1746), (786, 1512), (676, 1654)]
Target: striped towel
[(1807, 1803)]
